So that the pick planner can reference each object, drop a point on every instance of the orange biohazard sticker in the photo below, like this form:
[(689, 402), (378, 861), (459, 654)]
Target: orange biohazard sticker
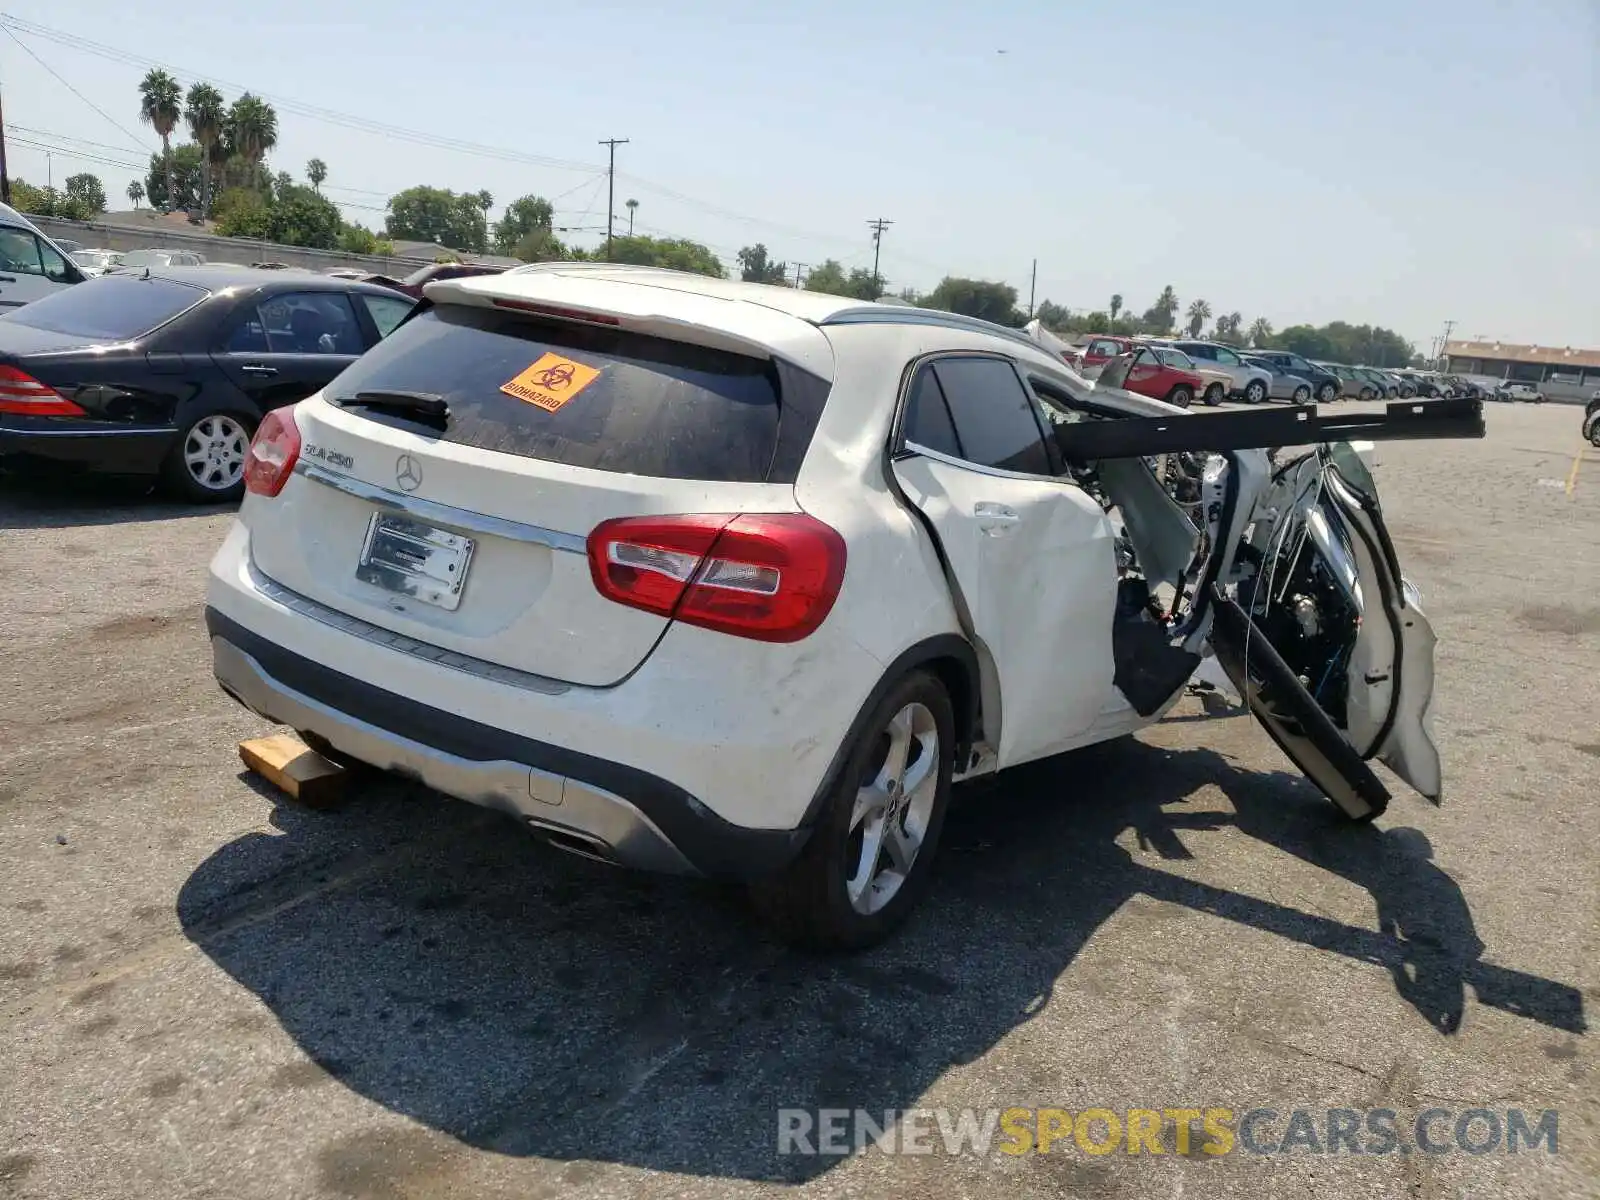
[(551, 382)]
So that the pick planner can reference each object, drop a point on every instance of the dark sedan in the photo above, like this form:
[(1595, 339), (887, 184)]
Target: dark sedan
[(166, 374)]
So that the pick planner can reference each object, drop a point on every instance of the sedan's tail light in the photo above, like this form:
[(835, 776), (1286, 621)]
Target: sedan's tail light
[(23, 394), (769, 576), (273, 453)]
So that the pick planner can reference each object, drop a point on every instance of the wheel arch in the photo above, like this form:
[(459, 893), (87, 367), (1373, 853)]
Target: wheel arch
[(948, 657)]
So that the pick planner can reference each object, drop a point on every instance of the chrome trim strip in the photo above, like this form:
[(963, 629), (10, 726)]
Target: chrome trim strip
[(443, 514), (425, 651)]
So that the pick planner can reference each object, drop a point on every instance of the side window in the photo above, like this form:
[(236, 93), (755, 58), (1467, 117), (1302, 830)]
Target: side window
[(55, 267), (19, 252), (928, 421), (386, 311), (993, 415), (249, 333), (1204, 352), (312, 323), (1226, 357)]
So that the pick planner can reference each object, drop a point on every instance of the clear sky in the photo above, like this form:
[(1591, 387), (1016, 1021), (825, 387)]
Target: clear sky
[(1399, 162)]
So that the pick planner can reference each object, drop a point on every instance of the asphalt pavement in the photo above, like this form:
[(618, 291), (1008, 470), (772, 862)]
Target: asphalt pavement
[(205, 991)]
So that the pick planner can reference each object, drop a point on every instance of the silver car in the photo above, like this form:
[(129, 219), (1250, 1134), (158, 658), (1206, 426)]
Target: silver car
[(1282, 385)]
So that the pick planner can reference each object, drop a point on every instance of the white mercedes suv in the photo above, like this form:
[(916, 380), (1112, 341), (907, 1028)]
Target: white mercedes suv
[(729, 579)]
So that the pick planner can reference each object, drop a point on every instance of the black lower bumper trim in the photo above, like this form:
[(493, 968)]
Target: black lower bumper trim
[(716, 848)]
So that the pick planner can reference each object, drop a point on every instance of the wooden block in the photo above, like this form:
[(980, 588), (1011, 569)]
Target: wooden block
[(295, 769)]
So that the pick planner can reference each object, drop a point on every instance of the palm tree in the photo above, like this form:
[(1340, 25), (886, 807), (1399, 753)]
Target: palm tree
[(1260, 331), (206, 114), (316, 171), (1199, 314), (632, 205), (1167, 305), (253, 130), (136, 192), (1116, 307), (160, 106)]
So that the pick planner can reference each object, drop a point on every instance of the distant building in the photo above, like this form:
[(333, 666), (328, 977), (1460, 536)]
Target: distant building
[(1561, 372)]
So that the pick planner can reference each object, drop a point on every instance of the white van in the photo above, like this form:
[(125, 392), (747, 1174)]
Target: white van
[(31, 265)]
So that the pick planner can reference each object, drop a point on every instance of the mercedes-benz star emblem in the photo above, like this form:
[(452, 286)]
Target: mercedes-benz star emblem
[(407, 473)]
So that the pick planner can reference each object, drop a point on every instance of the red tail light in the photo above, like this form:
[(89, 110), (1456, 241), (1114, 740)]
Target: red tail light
[(773, 577), (273, 453), (22, 393)]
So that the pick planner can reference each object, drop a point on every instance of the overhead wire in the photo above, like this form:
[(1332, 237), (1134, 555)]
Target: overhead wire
[(29, 51)]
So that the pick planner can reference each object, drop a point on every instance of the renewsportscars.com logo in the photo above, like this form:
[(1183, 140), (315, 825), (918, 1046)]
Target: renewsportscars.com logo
[(1180, 1131)]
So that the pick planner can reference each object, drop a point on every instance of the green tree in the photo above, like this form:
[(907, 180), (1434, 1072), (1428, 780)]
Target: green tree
[(243, 212), (298, 216), (1053, 316), (1199, 313), (1163, 314), (316, 172), (756, 267), (160, 106), (980, 298), (45, 201), (864, 285), (523, 216), (206, 114), (182, 169), (136, 192), (1098, 321), (1116, 307), (677, 254), (430, 214), (1229, 329), (1260, 332), (357, 239), (252, 132), (88, 192), (828, 277), (540, 244)]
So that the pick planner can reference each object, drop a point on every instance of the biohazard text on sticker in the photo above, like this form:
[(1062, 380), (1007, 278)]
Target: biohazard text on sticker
[(551, 382)]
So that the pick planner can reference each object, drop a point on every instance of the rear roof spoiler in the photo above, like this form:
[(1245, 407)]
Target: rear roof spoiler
[(1291, 425)]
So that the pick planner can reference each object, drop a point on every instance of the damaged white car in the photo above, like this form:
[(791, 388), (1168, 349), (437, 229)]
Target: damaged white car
[(736, 580)]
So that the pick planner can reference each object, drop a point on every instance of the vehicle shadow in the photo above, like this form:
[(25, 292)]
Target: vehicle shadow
[(32, 503), (533, 1004)]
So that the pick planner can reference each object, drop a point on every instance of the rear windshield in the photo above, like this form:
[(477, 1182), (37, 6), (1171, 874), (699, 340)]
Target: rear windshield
[(114, 308), (581, 395)]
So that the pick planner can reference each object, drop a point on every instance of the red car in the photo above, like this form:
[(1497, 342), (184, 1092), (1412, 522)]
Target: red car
[(1100, 349), (1142, 370)]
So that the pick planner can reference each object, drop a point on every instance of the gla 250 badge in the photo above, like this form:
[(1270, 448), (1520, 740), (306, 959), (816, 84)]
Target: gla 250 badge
[(332, 457)]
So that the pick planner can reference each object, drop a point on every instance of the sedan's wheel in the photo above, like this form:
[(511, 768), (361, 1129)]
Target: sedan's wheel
[(1182, 395), (1327, 394), (1591, 429), (207, 464), (1302, 394), (1213, 396), (1255, 392), (868, 857), (1366, 393)]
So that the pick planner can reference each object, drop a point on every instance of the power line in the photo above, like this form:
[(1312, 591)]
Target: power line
[(28, 50)]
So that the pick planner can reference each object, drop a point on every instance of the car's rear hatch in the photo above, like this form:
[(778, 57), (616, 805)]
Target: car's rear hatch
[(611, 400)]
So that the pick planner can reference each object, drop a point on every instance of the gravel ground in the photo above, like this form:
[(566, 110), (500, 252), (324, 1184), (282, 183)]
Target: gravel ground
[(204, 992)]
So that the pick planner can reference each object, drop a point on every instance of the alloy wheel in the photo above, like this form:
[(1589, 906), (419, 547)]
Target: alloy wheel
[(214, 450), (1256, 392), (893, 809), (1302, 394)]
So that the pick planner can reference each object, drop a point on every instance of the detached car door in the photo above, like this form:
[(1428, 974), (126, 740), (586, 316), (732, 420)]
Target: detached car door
[(1304, 601), (282, 348), (1029, 555)]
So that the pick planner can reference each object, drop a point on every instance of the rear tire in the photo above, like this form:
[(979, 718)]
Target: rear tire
[(869, 857), (206, 465), (1591, 429), (1302, 394), (1327, 394), (1366, 394), (1213, 396), (1255, 392), (1182, 395)]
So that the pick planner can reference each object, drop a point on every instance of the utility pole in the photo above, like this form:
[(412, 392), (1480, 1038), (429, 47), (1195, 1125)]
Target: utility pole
[(878, 225), (611, 188), (1033, 283), (5, 174), (798, 267)]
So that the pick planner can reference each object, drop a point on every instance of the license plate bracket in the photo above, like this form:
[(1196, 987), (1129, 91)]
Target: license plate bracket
[(412, 558)]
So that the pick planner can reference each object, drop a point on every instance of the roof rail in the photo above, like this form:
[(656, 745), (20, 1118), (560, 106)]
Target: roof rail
[(881, 314)]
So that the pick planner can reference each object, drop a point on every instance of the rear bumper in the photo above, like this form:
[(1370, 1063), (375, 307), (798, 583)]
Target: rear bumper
[(63, 445), (605, 809)]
